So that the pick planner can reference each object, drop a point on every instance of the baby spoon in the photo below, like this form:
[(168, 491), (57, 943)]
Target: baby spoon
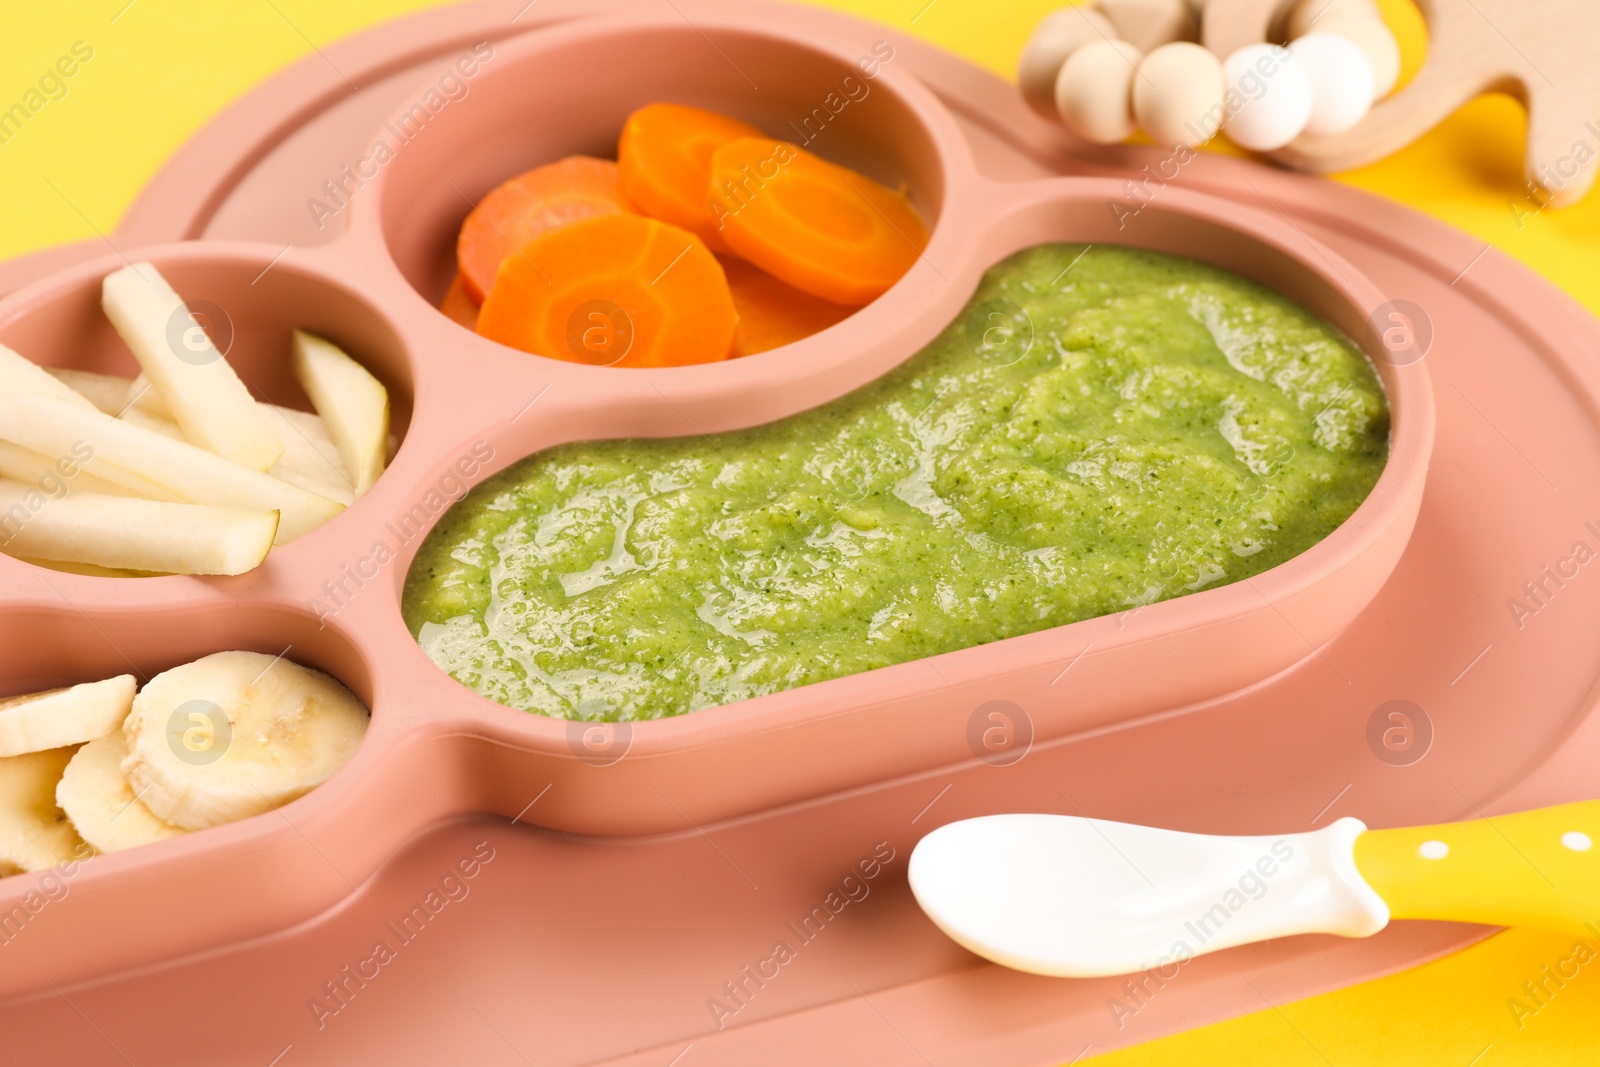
[(1075, 897)]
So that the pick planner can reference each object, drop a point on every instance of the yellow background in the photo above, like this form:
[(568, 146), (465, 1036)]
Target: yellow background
[(162, 68)]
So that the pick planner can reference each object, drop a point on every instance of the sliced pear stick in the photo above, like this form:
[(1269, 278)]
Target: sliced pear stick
[(20, 375), (310, 432), (353, 404), (207, 398), (307, 448), (197, 476), (72, 715), (308, 462), (88, 570), (24, 465), (107, 392), (34, 832), (96, 796), (310, 458), (137, 416), (340, 494), (141, 394), (42, 472), (253, 732), (137, 535)]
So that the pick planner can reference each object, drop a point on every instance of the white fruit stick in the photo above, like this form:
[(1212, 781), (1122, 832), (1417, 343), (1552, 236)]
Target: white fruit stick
[(193, 474), (310, 459), (42, 472), (107, 392), (89, 570), (311, 463), (138, 535), (353, 404), (141, 394), (207, 398), (135, 416), (20, 375)]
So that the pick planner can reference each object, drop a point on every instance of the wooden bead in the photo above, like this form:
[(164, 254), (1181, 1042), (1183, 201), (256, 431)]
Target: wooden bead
[(1178, 95), (1092, 91), (1149, 24), (1057, 36), (1308, 12)]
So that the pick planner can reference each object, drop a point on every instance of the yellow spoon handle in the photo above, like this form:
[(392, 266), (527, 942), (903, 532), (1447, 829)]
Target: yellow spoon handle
[(1538, 869)]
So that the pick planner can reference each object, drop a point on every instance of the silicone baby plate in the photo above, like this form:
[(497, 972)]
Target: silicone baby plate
[(740, 891)]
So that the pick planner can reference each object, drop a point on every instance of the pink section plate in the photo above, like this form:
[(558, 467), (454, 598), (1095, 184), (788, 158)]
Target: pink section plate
[(585, 949)]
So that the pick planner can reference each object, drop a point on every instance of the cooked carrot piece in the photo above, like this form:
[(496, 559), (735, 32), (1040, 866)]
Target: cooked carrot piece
[(459, 305), (824, 229), (616, 290), (664, 158), (517, 211), (771, 312)]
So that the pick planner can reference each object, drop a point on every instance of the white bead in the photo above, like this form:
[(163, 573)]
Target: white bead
[(1092, 91), (1268, 97), (1057, 36), (1577, 841), (1372, 37), (1341, 81), (1177, 95), (1433, 850)]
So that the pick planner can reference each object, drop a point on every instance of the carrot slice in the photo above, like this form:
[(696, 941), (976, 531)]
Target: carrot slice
[(459, 305), (824, 229), (771, 312), (517, 211), (616, 290), (664, 158)]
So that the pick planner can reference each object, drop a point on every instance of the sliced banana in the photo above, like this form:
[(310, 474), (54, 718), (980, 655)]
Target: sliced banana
[(98, 799), (235, 734), (34, 833), (35, 722)]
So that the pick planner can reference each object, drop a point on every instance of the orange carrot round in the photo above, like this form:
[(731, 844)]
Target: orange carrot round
[(616, 290), (459, 305), (824, 229), (518, 211), (664, 159), (772, 312)]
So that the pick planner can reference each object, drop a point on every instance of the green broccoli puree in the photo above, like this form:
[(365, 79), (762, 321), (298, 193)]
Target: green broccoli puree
[(1101, 428)]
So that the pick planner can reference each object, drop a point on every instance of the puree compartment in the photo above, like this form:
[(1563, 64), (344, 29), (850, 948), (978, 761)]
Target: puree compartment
[(1100, 428)]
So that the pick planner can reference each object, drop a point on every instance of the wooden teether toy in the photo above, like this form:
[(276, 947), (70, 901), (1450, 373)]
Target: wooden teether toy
[(1539, 51), (1306, 104)]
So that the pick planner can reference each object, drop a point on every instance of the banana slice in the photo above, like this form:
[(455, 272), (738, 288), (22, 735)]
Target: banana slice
[(102, 806), (38, 721), (34, 833), (235, 734)]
